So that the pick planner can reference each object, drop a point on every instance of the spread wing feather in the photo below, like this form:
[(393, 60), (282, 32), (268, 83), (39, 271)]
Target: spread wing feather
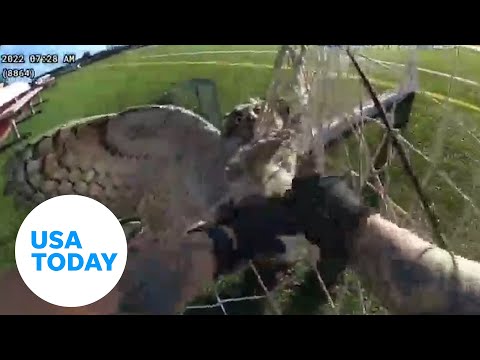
[(162, 163)]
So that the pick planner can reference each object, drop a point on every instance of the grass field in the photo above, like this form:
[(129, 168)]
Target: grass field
[(446, 131)]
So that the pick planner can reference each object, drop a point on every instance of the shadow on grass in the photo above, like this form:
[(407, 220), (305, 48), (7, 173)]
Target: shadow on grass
[(12, 143), (197, 95)]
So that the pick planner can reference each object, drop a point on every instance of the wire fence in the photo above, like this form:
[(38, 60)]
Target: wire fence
[(422, 176)]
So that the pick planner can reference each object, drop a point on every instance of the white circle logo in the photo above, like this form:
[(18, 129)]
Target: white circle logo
[(71, 251)]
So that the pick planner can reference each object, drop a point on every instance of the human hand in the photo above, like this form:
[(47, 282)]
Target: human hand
[(329, 213), (248, 230), (326, 208)]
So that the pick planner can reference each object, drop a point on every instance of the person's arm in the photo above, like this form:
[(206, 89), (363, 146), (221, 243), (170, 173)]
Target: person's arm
[(412, 276), (407, 274)]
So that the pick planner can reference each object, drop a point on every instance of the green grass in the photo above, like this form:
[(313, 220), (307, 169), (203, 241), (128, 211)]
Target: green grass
[(463, 63), (113, 85)]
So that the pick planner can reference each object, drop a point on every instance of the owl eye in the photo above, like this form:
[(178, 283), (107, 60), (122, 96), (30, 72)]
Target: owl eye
[(238, 119)]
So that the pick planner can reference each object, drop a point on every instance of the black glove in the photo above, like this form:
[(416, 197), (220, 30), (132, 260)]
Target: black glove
[(328, 213), (256, 223), (324, 209)]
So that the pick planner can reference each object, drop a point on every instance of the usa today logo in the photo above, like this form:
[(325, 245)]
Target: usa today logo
[(71, 251)]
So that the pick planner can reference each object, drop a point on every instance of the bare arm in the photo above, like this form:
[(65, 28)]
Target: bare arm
[(412, 276)]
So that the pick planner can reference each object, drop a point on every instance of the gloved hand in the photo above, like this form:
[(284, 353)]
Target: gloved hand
[(329, 213), (256, 223), (324, 209)]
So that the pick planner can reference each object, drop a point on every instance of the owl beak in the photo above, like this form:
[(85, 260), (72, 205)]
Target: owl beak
[(200, 226)]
